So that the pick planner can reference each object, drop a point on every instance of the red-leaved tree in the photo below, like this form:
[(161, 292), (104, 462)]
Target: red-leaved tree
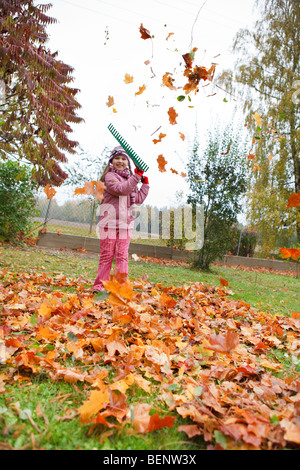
[(37, 102)]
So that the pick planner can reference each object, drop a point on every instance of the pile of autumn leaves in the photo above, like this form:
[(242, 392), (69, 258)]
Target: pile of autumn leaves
[(199, 355)]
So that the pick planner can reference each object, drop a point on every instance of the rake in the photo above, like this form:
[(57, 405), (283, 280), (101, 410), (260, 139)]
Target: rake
[(133, 155)]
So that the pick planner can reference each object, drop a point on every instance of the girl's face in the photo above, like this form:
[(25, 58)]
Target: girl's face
[(119, 162)]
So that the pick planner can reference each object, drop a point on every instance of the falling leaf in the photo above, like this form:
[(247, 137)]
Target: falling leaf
[(174, 171), (270, 156), (161, 136), (161, 163), (110, 101), (49, 191), (168, 81), (182, 136), (223, 282), (227, 151), (169, 35), (141, 90), (294, 200), (128, 78), (93, 188), (257, 118), (145, 33), (293, 253), (189, 57), (172, 115)]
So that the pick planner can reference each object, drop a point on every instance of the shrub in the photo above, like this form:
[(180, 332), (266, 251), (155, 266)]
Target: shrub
[(17, 200)]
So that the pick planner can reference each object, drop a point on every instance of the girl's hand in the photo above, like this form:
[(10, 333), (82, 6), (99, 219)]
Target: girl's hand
[(139, 171), (145, 180)]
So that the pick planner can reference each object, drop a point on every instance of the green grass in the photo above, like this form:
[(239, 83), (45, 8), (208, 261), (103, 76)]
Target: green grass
[(41, 414)]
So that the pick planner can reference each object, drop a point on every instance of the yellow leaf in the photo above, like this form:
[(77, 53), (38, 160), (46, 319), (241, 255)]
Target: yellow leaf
[(97, 400), (44, 310), (257, 118), (128, 78)]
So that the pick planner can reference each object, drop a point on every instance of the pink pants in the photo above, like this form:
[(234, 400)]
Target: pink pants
[(114, 243)]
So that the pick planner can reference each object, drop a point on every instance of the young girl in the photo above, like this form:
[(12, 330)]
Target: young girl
[(116, 217)]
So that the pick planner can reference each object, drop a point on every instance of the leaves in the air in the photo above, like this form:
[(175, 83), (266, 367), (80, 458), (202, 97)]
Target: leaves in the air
[(128, 78), (161, 163), (168, 81), (92, 188), (161, 136), (145, 33), (110, 101), (140, 90), (172, 115), (294, 200), (49, 191)]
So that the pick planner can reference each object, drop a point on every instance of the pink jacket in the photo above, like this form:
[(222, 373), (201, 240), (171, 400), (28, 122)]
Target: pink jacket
[(115, 209)]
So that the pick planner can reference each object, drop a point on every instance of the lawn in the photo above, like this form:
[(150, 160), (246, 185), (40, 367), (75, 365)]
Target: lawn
[(40, 399)]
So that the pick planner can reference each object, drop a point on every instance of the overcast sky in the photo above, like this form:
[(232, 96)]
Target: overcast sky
[(101, 41)]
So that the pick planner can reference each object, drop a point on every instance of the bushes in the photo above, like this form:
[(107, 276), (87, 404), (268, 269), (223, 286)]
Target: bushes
[(17, 200)]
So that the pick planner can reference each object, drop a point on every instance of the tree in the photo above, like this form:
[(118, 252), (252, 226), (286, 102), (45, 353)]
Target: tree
[(217, 179), (17, 200), (38, 103), (266, 78)]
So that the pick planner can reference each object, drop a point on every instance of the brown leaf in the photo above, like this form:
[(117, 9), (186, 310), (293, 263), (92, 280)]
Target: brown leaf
[(145, 33)]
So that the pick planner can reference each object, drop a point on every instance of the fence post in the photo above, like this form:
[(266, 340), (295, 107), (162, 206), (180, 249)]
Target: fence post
[(46, 216), (241, 232)]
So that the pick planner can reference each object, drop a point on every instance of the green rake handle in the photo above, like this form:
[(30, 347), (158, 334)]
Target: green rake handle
[(133, 155)]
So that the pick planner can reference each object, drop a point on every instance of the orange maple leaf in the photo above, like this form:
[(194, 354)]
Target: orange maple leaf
[(93, 188), (294, 200), (110, 101), (223, 282), (49, 191), (161, 136), (172, 116), (293, 253), (141, 90), (97, 400), (161, 163)]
